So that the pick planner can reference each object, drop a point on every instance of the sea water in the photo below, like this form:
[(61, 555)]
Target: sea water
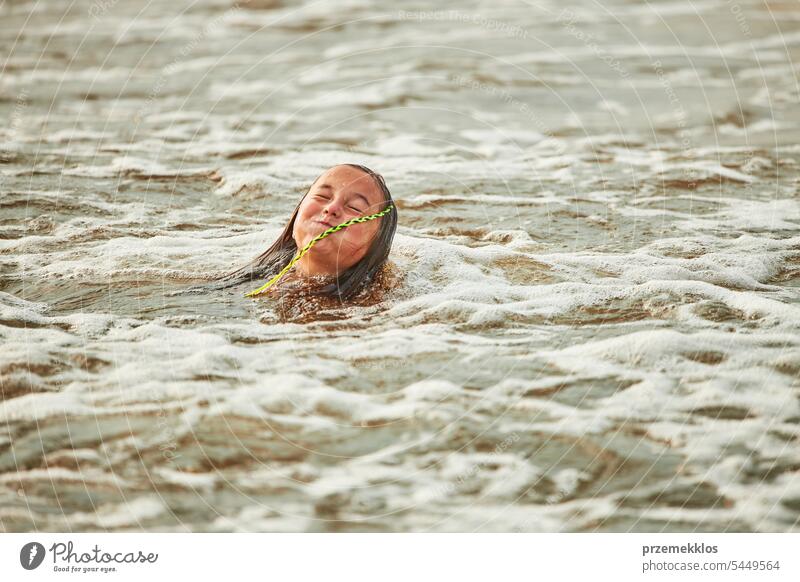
[(594, 326)]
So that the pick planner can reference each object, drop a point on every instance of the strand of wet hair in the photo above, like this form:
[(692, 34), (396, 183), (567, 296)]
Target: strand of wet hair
[(264, 288)]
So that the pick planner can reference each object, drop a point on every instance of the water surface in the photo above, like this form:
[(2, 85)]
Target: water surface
[(594, 326)]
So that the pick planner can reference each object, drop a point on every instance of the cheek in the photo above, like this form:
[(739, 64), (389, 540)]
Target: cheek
[(304, 215), (358, 236), (297, 229), (305, 212)]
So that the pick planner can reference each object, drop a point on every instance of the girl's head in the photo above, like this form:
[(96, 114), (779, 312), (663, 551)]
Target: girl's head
[(339, 194), (352, 256)]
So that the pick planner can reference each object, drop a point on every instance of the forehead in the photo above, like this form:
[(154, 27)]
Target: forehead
[(348, 179)]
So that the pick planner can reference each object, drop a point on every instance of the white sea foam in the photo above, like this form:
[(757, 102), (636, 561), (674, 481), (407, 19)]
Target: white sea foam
[(597, 262)]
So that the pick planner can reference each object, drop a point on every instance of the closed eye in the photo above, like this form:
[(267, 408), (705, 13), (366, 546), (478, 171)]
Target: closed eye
[(362, 201)]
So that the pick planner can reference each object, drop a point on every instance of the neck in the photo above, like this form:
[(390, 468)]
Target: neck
[(307, 267)]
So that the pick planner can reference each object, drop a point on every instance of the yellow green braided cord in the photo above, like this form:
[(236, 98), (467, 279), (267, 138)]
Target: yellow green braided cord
[(311, 243)]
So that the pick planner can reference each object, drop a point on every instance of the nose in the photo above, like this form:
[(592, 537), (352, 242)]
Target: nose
[(333, 208)]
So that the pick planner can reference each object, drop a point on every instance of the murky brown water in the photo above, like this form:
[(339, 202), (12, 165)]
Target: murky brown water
[(593, 319)]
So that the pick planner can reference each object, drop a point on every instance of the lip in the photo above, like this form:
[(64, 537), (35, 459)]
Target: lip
[(326, 224)]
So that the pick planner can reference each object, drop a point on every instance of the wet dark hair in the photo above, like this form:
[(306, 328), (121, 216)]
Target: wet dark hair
[(347, 283)]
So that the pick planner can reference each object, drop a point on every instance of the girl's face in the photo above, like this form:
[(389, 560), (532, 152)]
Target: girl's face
[(341, 193)]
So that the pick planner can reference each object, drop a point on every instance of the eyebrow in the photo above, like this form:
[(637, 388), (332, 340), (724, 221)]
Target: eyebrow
[(329, 187)]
